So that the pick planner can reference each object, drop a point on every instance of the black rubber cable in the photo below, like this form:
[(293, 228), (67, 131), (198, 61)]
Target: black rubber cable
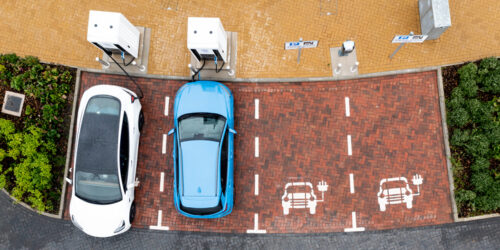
[(198, 71), (137, 85), (217, 71)]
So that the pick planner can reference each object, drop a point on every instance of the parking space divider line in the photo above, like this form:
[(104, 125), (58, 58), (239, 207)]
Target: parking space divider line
[(354, 227), (351, 181), (256, 146), (347, 107), (159, 226), (256, 229), (256, 184), (167, 103), (162, 178), (164, 144), (256, 109), (349, 146)]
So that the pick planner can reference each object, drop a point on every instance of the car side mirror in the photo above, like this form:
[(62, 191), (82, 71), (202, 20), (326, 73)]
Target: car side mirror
[(171, 131), (232, 131), (68, 180)]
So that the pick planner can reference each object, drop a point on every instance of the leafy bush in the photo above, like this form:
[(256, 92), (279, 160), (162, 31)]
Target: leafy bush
[(473, 110), (31, 158)]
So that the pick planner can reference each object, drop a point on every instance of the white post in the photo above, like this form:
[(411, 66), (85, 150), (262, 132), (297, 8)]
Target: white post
[(104, 63), (338, 69), (354, 67)]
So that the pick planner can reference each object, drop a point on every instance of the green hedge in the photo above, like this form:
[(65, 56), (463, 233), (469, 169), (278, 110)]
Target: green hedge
[(473, 109), (31, 156)]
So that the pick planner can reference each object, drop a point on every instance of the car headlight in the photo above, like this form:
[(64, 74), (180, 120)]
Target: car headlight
[(76, 223), (120, 228)]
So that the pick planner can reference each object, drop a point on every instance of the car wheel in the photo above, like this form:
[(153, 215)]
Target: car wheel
[(382, 207), (132, 213), (141, 121)]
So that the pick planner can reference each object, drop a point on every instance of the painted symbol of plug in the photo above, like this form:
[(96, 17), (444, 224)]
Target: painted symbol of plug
[(417, 180), (322, 186)]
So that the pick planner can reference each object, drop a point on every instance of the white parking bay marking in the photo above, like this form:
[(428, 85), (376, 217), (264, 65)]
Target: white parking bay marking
[(159, 226), (256, 146), (256, 184), (347, 108), (349, 147), (162, 178), (256, 229), (167, 103), (351, 181), (354, 227), (164, 144), (257, 109)]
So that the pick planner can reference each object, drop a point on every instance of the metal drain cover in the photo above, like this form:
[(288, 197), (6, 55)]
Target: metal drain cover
[(13, 103)]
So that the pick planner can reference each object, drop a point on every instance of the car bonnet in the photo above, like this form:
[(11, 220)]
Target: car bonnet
[(202, 97), (96, 219)]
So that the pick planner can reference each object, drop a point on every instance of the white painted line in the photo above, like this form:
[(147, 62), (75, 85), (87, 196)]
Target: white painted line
[(256, 229), (354, 226), (256, 146), (162, 177), (349, 147), (257, 109), (164, 144), (351, 181), (347, 108), (167, 103), (256, 184), (159, 226)]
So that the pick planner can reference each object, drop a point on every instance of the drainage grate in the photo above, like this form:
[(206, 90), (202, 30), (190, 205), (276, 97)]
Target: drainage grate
[(13, 103)]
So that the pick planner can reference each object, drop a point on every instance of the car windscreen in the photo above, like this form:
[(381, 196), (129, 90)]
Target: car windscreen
[(202, 126), (96, 167)]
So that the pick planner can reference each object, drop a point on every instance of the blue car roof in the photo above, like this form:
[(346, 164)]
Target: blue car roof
[(203, 97), (199, 173)]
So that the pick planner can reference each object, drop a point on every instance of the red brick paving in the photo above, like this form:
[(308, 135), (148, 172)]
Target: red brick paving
[(395, 129)]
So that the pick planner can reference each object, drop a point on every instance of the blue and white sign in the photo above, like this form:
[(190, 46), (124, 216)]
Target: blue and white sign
[(409, 39), (301, 45)]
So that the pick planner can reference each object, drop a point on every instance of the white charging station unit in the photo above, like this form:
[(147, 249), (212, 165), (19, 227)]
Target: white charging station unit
[(112, 32), (207, 39)]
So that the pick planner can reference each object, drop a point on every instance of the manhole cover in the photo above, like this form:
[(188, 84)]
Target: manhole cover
[(13, 103)]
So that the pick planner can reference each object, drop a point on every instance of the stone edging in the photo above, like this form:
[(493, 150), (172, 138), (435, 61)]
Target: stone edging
[(70, 143), (442, 108)]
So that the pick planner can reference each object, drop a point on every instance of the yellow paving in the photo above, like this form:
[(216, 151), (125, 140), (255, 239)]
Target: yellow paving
[(55, 31)]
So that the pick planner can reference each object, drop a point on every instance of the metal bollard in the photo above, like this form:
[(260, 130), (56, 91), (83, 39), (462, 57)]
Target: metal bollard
[(141, 68), (104, 63), (193, 70), (354, 67), (338, 69)]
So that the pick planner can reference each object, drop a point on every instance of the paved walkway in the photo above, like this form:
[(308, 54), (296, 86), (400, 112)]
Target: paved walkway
[(56, 32), (22, 228)]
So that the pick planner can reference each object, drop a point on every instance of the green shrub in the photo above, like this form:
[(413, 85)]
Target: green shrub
[(458, 117), (469, 87), (459, 137), (479, 112), (482, 181), (462, 196), (478, 145), (480, 165), (491, 83), (468, 72), (456, 99)]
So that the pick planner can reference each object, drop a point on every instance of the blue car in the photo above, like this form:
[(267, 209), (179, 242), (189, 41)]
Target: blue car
[(203, 150)]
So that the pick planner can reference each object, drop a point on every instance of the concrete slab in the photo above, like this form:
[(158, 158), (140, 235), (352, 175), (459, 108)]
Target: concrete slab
[(348, 63)]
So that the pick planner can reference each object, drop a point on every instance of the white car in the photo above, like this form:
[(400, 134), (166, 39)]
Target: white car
[(107, 141), (394, 191), (299, 195)]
